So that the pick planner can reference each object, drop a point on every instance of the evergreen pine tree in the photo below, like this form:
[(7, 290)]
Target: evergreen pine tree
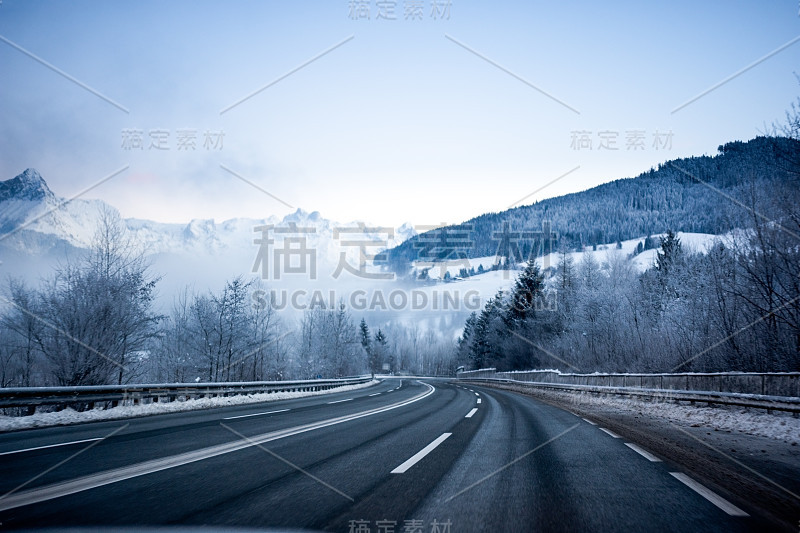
[(527, 291), (366, 343), (671, 252)]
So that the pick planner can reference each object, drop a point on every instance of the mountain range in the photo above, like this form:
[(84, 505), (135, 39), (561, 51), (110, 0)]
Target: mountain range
[(28, 205), (39, 230), (696, 196)]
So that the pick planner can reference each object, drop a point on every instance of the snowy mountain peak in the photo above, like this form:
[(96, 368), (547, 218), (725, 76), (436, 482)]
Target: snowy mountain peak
[(26, 186), (302, 216), (199, 227), (26, 202)]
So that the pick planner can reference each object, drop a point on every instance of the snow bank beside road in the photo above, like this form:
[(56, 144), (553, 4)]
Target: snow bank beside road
[(777, 425), (70, 416), (780, 426)]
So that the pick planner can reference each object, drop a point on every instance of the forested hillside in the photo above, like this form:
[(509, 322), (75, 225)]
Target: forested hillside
[(733, 306), (678, 195)]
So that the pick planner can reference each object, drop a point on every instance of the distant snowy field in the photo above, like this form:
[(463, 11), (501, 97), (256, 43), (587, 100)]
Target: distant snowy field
[(692, 242), (482, 287), (70, 416)]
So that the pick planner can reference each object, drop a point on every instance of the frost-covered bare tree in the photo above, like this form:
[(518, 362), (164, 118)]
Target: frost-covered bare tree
[(174, 360), (20, 326), (92, 322), (232, 341), (329, 344), (101, 307), (233, 335), (268, 355)]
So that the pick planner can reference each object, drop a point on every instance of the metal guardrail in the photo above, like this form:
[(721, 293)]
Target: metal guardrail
[(758, 401), (33, 397), (763, 383)]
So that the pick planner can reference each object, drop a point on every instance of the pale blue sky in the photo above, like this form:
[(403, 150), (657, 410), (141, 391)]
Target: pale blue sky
[(397, 124)]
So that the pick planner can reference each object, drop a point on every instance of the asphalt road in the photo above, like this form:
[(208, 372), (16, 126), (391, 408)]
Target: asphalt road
[(419, 455)]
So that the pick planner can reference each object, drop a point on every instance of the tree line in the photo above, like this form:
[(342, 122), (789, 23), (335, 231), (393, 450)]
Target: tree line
[(94, 322), (733, 307)]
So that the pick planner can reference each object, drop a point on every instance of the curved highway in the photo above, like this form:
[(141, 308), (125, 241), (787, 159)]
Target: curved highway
[(418, 455)]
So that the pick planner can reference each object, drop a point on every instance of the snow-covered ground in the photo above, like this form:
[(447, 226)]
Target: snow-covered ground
[(482, 287), (486, 284), (693, 242), (780, 426), (70, 416)]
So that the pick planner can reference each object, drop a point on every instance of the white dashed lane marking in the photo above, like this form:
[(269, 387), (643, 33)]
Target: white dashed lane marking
[(644, 453), (709, 495), (256, 414), (608, 431), (417, 457), (49, 446)]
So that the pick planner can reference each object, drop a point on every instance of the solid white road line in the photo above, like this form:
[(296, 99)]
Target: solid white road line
[(256, 414), (587, 420), (644, 453), (469, 415), (417, 457), (340, 401), (91, 481), (479, 400), (49, 446), (610, 433), (709, 495)]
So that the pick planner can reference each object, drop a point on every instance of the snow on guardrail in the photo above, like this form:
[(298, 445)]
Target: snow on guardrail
[(113, 395), (770, 391)]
